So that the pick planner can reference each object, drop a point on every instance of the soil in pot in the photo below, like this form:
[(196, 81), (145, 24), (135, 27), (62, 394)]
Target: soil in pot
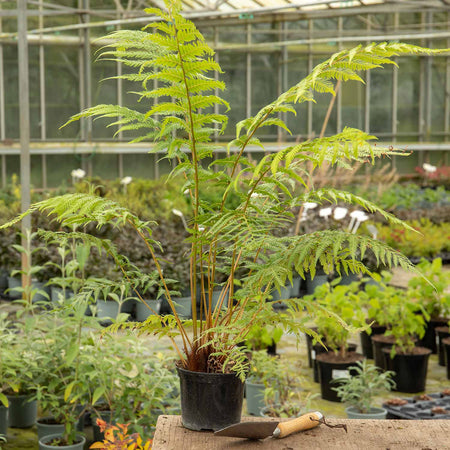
[(373, 413), (366, 341), (46, 426), (441, 333), (332, 366), (446, 343), (410, 369), (54, 441), (379, 341), (22, 412), (429, 339), (210, 401)]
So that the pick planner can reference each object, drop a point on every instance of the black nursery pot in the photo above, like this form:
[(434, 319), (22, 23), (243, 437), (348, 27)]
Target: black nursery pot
[(429, 338), (446, 343), (366, 341), (329, 371), (441, 334), (380, 342), (318, 349), (410, 370), (210, 401)]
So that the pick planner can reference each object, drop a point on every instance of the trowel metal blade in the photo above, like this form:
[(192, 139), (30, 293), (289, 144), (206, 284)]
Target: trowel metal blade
[(249, 430)]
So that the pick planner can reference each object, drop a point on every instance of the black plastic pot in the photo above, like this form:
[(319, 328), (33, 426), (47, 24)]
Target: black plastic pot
[(22, 411), (441, 333), (329, 371), (3, 420), (410, 370), (378, 344), (309, 346), (429, 339), (366, 341), (210, 401), (446, 343), (319, 349)]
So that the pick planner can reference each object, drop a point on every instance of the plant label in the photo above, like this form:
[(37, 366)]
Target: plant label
[(336, 373), (313, 354)]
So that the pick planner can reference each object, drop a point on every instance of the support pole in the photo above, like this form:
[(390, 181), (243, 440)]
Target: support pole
[(24, 109)]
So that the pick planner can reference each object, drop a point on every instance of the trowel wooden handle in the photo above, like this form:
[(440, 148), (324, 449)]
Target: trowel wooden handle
[(305, 422)]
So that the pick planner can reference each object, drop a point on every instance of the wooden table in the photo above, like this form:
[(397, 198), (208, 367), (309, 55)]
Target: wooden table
[(362, 435)]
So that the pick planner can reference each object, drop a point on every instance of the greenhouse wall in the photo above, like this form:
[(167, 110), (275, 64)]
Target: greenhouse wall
[(261, 56)]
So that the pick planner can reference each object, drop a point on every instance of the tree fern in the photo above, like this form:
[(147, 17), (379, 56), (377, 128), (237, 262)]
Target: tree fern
[(179, 114)]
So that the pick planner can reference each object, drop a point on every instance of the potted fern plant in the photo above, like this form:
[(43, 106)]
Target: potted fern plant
[(228, 239)]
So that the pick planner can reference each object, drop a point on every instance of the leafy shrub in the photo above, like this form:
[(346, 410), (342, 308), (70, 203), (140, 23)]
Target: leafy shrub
[(430, 241)]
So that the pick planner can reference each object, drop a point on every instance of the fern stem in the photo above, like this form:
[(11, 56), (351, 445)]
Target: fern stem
[(183, 332), (192, 140)]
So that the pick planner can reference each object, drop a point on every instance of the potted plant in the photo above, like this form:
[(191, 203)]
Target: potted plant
[(62, 388), (130, 385), (267, 338), (430, 291), (339, 302), (359, 390), (229, 240), (408, 361), (264, 370), (376, 304), (19, 365), (442, 333)]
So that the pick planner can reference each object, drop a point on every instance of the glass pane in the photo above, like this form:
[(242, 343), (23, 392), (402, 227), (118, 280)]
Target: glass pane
[(264, 87), (381, 101), (234, 76), (297, 67), (408, 97), (61, 90), (438, 95), (11, 84)]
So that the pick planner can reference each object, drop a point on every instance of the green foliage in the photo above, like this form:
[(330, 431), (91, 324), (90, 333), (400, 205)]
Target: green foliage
[(340, 303), (430, 241), (407, 322), (239, 237), (410, 196), (377, 299), (365, 383), (431, 288), (259, 338)]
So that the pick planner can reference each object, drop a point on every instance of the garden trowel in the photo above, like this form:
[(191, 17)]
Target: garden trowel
[(264, 429)]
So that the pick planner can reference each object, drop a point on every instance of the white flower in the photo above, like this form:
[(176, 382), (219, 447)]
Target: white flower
[(309, 205), (355, 214), (177, 212), (429, 168), (186, 192), (325, 212), (78, 174), (126, 180), (339, 213)]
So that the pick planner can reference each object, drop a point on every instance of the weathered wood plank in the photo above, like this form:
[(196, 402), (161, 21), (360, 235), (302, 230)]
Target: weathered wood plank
[(362, 435)]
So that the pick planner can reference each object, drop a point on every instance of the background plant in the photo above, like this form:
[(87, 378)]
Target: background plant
[(434, 297), (365, 383)]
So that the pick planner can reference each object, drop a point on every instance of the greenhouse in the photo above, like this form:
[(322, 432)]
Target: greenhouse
[(224, 220)]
